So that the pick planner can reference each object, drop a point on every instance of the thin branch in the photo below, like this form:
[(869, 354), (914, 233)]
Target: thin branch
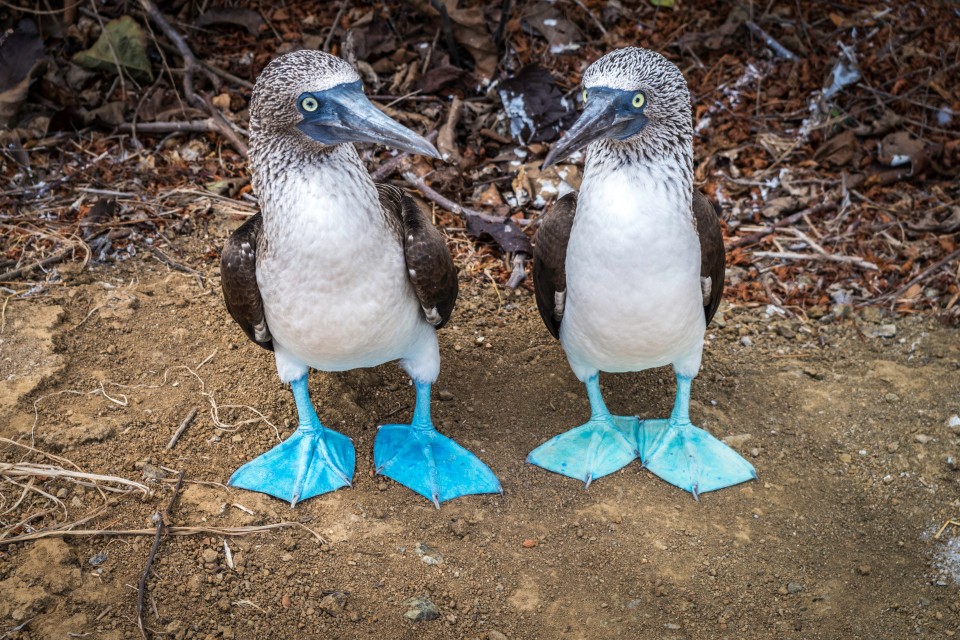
[(13, 274), (920, 277), (190, 66), (592, 16), (226, 75), (186, 126), (394, 163), (173, 531), (775, 46), (822, 257), (334, 25), (162, 520), (183, 427), (445, 202), (759, 235)]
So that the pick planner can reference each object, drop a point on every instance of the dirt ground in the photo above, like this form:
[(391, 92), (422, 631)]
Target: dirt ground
[(850, 433)]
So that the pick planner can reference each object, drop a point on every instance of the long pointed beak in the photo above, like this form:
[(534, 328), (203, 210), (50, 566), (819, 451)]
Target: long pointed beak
[(598, 116), (346, 115)]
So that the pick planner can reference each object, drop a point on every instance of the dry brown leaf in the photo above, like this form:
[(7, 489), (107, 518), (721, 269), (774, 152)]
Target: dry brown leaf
[(470, 30), (245, 18), (20, 61)]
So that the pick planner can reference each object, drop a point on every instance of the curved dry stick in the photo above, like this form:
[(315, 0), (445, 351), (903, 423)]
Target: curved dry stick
[(190, 66), (161, 519)]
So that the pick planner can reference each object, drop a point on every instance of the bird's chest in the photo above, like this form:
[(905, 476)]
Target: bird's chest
[(633, 271), (332, 274)]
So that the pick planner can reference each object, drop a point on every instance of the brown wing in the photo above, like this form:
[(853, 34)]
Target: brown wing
[(429, 265), (238, 277), (712, 254), (549, 261)]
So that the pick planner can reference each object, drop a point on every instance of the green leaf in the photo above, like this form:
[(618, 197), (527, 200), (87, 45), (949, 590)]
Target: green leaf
[(126, 39), (663, 3)]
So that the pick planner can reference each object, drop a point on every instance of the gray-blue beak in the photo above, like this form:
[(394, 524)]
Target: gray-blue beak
[(607, 114), (344, 114)]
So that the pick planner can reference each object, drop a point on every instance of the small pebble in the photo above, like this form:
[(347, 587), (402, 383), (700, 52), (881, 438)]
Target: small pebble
[(97, 560), (209, 555), (746, 341), (153, 472), (845, 458), (892, 397), (794, 587), (737, 440), (428, 555), (864, 569), (285, 601), (922, 438), (892, 447), (953, 422), (421, 609), (755, 452), (458, 527), (529, 543), (887, 479), (333, 604), (881, 331), (445, 395), (495, 635)]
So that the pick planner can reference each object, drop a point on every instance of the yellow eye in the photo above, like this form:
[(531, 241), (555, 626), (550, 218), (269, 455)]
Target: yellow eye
[(638, 100), (584, 96), (309, 104)]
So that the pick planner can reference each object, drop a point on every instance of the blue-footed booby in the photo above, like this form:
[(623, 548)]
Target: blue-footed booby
[(628, 273), (337, 272)]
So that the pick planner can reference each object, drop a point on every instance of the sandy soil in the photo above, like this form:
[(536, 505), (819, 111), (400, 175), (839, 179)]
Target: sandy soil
[(849, 432)]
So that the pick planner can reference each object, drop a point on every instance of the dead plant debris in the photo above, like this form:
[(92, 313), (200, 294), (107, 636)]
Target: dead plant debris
[(126, 128)]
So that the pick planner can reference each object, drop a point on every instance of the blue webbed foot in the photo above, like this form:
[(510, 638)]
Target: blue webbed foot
[(592, 450), (422, 459), (312, 461), (307, 464), (686, 456)]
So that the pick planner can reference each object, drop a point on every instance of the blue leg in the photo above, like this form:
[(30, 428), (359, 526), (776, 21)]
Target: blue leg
[(417, 456), (593, 450), (687, 456), (312, 461)]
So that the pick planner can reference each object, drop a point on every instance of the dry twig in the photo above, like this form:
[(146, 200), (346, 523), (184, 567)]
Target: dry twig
[(183, 427), (775, 46), (920, 277), (172, 531), (191, 65), (448, 204), (822, 257), (394, 163), (759, 235), (161, 519)]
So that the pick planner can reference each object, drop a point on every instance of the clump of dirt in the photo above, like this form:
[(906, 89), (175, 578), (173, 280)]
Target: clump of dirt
[(849, 431)]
